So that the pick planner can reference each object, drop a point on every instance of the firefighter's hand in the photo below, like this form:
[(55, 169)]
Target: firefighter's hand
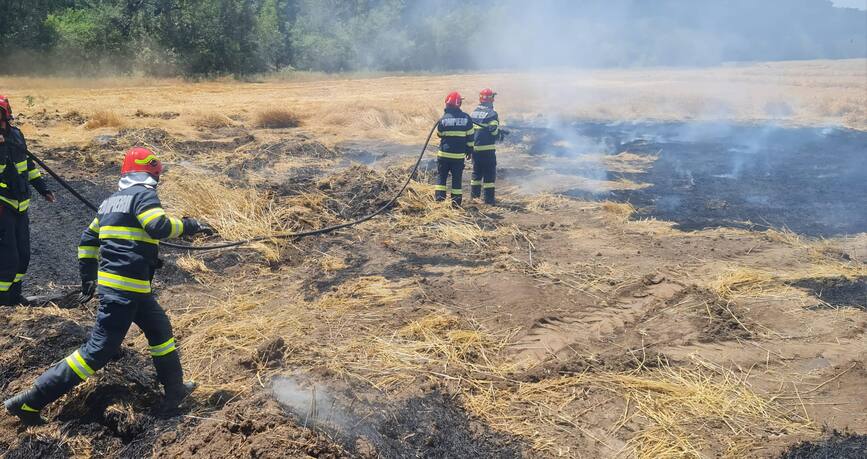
[(206, 229), (504, 133), (50, 197), (88, 288)]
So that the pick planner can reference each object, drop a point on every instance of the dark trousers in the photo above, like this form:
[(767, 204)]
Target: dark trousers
[(14, 253), (117, 311), (484, 175), (455, 167)]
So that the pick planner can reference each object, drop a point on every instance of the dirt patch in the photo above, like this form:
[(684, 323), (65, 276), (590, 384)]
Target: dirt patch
[(836, 445), (36, 344), (718, 319), (837, 291)]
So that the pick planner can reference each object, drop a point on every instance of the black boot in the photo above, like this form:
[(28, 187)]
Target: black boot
[(17, 406), (171, 376), (489, 195)]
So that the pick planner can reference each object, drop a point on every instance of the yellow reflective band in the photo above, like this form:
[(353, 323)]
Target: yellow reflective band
[(440, 188), (94, 225), (488, 185), (3, 185), (2, 168), (475, 182), (149, 215), (146, 160), (457, 191), (127, 233), (18, 277), (22, 166), (177, 227), (163, 349), (87, 251), (23, 205), (485, 147), (471, 144), (34, 174), (5, 286), (443, 154), (127, 284), (79, 366), (454, 133), (26, 407), (470, 131), (11, 202)]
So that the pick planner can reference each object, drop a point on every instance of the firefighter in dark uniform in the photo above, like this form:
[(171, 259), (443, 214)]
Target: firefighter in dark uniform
[(17, 175), (118, 255), (487, 134), (455, 130)]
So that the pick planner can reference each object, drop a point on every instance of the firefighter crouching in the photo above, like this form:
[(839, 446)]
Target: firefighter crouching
[(118, 256), (455, 130), (487, 134), (17, 175)]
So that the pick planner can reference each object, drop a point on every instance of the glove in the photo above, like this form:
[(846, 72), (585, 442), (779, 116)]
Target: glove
[(504, 133), (191, 226), (88, 288)]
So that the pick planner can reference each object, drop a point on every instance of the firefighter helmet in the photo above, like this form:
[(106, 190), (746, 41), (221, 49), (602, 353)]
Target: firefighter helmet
[(454, 99), (487, 95), (5, 109), (139, 159)]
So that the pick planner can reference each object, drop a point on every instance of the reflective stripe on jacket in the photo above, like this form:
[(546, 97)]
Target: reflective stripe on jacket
[(455, 130), (18, 172), (487, 127), (123, 240)]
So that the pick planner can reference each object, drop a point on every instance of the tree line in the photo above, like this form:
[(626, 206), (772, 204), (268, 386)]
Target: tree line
[(211, 37)]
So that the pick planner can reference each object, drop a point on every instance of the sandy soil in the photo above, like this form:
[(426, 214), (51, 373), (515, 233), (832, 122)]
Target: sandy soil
[(544, 327)]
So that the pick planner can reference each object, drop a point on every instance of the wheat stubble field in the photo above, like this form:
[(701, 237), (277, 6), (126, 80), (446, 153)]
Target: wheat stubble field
[(570, 321)]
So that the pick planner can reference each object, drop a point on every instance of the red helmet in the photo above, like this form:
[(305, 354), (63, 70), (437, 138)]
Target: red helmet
[(5, 109), (454, 99), (487, 95), (139, 159)]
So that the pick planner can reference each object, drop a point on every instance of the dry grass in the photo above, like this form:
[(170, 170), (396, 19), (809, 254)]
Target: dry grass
[(277, 118), (420, 214), (544, 202), (365, 292), (673, 412), (746, 282), (235, 213), (438, 347), (402, 108), (212, 121), (104, 118), (619, 211), (229, 325)]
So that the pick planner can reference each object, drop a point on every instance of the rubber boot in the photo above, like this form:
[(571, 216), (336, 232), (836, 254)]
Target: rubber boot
[(475, 190), (17, 406), (15, 296), (456, 200), (171, 376), (489, 196)]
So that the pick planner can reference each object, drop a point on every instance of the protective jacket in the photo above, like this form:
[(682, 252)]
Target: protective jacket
[(123, 239), (17, 171), (487, 127), (456, 132)]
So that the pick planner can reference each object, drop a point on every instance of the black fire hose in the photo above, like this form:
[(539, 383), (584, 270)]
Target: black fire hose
[(226, 245)]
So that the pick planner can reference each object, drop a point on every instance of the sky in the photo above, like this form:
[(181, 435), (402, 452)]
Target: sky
[(860, 4)]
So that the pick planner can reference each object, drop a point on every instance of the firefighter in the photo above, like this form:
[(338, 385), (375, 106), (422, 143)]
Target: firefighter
[(117, 258), (487, 134), (455, 130), (17, 175)]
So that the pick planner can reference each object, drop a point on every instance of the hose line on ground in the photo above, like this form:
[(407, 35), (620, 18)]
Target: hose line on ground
[(295, 235)]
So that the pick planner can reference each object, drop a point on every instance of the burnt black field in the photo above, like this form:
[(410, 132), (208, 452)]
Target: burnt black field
[(812, 181)]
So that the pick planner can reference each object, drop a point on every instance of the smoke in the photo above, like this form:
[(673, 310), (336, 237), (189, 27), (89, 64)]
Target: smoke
[(635, 33), (312, 404)]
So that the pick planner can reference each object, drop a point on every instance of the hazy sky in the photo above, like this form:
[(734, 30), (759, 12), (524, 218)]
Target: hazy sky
[(860, 4)]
